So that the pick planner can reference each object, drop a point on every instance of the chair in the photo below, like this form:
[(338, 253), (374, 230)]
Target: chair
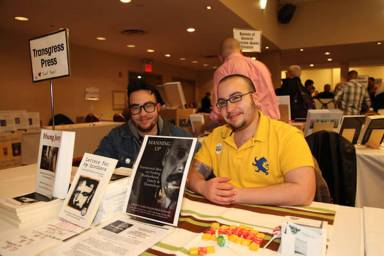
[(337, 160)]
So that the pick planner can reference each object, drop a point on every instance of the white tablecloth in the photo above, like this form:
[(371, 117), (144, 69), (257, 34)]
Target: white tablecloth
[(374, 231), (370, 177)]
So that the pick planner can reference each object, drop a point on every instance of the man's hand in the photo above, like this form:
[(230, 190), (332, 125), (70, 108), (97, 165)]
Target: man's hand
[(218, 190)]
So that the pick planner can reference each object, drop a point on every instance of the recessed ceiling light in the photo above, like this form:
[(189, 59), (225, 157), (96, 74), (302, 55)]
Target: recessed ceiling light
[(205, 65), (139, 77), (208, 7), (182, 58), (101, 38), (266, 47), (379, 43), (190, 30), (194, 61), (327, 53), (301, 49), (131, 45), (263, 4), (329, 59), (21, 18), (150, 50), (311, 65), (254, 58), (167, 55), (125, 1)]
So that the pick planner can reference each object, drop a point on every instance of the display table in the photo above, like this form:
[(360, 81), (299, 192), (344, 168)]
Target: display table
[(370, 177), (374, 231)]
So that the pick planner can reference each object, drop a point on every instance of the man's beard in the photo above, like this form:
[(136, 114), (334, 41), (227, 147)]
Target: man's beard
[(244, 124), (148, 129)]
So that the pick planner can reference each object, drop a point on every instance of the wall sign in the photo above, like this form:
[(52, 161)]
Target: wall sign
[(249, 39)]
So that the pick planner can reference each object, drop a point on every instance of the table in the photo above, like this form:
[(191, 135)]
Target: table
[(373, 231), (370, 177), (345, 229)]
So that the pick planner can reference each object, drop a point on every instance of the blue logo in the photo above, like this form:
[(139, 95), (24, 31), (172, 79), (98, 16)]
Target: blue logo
[(261, 165)]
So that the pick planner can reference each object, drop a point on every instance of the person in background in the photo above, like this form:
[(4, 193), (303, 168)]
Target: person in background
[(352, 95), (236, 63), (372, 88), (310, 86), (254, 159), (123, 142), (206, 105), (326, 94)]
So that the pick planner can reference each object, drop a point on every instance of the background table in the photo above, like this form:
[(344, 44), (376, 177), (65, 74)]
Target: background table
[(370, 177)]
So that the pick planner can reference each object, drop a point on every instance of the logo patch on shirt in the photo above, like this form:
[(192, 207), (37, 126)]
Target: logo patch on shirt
[(219, 148), (261, 165)]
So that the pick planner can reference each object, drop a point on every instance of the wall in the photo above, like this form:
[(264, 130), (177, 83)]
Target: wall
[(374, 71), (90, 68), (320, 77)]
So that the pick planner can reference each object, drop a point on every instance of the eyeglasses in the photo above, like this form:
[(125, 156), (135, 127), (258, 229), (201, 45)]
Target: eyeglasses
[(148, 107), (222, 103)]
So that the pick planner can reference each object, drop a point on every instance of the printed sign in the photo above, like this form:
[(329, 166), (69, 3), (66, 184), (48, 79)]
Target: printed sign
[(249, 39), (50, 56)]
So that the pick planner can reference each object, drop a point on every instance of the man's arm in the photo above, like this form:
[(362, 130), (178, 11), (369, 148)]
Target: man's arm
[(298, 189), (216, 190)]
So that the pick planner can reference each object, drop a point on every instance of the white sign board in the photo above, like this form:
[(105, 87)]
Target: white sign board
[(250, 40), (50, 56)]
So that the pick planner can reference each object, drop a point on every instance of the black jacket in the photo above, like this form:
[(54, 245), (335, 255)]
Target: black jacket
[(337, 160)]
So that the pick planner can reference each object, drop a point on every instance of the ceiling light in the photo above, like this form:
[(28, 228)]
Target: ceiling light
[(21, 18), (182, 58), (139, 77), (327, 53), (190, 30), (263, 4), (254, 58), (101, 38), (266, 47), (301, 49), (150, 50), (167, 55), (131, 45), (194, 61), (329, 59), (379, 43), (311, 65), (205, 65), (208, 7), (125, 1)]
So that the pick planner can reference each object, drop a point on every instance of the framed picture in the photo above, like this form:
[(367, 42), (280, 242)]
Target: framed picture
[(119, 100)]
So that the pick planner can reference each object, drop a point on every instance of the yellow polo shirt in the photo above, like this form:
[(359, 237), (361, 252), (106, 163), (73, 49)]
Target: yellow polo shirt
[(263, 160)]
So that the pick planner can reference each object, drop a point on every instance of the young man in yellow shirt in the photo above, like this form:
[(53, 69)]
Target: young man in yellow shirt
[(253, 158)]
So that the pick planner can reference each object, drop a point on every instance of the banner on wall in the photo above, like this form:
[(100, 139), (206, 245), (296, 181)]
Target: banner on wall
[(250, 40), (50, 56)]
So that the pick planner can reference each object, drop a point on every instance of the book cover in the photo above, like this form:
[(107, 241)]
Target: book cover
[(350, 127), (87, 189), (159, 177), (373, 125), (322, 119)]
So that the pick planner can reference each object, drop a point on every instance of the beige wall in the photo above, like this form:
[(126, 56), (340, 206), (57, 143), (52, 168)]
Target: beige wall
[(375, 71), (90, 68)]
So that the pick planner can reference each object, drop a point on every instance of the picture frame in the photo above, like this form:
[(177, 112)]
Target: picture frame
[(119, 100)]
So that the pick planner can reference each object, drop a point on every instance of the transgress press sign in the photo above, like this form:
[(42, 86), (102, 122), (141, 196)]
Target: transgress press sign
[(50, 56)]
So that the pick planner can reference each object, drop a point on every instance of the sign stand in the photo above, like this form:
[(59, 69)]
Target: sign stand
[(52, 105)]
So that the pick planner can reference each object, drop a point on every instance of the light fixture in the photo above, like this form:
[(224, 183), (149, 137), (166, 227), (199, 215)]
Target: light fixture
[(205, 65), (379, 43), (311, 65), (191, 30), (194, 61), (266, 47), (327, 53), (101, 38), (182, 58), (21, 18), (301, 49), (150, 50), (214, 67), (167, 55), (208, 7), (131, 45), (329, 59), (263, 4), (139, 77), (125, 1), (254, 58)]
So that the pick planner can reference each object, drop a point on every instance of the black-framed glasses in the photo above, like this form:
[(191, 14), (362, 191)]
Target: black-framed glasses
[(222, 103), (148, 107)]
